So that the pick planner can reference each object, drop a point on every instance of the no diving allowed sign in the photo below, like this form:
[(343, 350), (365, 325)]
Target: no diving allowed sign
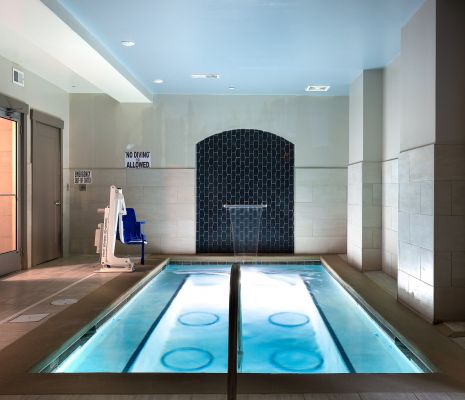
[(137, 159)]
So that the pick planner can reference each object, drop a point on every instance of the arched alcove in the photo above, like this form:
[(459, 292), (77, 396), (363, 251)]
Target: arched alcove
[(245, 166)]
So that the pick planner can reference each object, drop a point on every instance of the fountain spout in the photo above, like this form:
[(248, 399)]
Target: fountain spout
[(245, 227)]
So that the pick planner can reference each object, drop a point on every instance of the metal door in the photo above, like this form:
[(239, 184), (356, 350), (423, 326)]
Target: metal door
[(10, 206), (46, 188)]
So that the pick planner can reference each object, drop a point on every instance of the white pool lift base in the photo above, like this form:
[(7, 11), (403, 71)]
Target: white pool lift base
[(105, 234)]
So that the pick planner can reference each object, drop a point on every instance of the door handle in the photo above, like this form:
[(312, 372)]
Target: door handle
[(58, 203)]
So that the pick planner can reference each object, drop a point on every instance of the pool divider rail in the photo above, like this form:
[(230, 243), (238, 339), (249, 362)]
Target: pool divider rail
[(234, 335)]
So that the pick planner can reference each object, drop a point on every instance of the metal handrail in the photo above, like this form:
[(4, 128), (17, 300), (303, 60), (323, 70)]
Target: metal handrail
[(234, 334)]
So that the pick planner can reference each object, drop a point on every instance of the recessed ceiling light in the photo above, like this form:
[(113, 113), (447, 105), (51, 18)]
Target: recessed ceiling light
[(158, 81), (232, 88), (127, 43), (205, 76), (317, 88)]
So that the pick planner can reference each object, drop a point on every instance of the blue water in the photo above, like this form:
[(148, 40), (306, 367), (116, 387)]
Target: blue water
[(294, 319)]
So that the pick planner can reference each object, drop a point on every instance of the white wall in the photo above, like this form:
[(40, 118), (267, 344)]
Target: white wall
[(390, 217), (320, 210), (416, 268), (449, 184), (372, 114), (391, 109), (450, 67), (416, 230), (432, 163), (356, 120), (40, 95), (366, 116), (419, 78), (170, 128), (390, 154), (364, 171), (174, 124)]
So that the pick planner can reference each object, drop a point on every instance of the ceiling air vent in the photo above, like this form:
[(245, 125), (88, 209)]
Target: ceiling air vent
[(205, 76), (317, 88), (18, 77)]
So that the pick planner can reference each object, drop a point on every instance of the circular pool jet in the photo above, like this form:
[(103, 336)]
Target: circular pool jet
[(288, 319), (198, 318), (297, 360), (187, 359)]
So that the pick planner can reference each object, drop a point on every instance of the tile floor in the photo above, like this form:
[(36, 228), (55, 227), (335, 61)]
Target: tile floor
[(384, 281), (389, 285), (31, 292)]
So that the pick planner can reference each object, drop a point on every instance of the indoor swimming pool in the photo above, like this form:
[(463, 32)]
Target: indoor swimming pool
[(294, 319)]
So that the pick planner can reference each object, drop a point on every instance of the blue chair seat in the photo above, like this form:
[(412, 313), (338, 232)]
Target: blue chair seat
[(132, 231)]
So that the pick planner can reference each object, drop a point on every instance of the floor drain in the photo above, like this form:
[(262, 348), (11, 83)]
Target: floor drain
[(63, 302), (29, 318)]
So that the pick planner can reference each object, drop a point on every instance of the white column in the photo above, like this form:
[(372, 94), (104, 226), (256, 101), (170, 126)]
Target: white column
[(431, 278), (364, 171)]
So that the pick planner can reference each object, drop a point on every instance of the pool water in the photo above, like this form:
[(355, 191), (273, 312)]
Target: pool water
[(294, 319)]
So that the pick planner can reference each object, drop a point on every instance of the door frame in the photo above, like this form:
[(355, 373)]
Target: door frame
[(12, 105), (46, 119)]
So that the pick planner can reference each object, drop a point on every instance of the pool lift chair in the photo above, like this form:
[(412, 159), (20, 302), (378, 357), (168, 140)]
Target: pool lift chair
[(119, 223)]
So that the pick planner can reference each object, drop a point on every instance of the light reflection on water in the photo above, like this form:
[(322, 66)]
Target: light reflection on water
[(295, 319)]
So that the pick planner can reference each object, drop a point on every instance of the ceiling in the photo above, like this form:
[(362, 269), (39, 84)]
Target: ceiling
[(15, 47), (257, 46), (34, 38)]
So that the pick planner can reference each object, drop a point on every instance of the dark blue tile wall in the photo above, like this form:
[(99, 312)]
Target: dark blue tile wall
[(245, 166)]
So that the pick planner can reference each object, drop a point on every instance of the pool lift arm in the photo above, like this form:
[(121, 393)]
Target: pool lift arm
[(105, 234)]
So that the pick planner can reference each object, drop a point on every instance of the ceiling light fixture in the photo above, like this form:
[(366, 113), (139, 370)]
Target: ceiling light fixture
[(127, 43), (317, 88), (232, 88), (158, 81), (205, 76)]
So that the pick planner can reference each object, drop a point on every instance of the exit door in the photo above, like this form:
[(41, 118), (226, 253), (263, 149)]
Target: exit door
[(46, 187), (10, 206)]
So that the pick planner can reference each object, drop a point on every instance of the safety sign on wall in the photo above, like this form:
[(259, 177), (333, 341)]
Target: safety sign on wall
[(137, 159), (82, 177)]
